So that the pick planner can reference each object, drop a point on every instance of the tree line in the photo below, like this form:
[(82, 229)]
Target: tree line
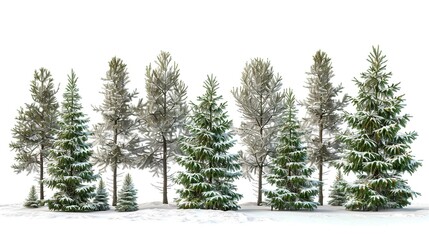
[(162, 129)]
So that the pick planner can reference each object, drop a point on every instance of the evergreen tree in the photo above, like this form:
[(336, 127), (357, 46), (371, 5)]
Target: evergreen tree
[(260, 101), (71, 172), (32, 201), (101, 197), (376, 149), (34, 130), (338, 195), (323, 114), (210, 168), (163, 115), (116, 138), (127, 199), (294, 188)]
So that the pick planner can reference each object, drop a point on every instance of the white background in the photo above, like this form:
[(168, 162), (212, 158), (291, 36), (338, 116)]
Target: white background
[(206, 37)]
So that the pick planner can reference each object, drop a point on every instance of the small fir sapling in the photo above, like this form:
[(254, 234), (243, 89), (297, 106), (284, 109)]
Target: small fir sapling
[(32, 201), (101, 197), (338, 195), (127, 197)]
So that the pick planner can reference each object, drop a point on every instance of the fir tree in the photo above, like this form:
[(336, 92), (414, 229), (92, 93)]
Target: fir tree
[(127, 199), (210, 168), (294, 188), (163, 115), (116, 138), (260, 101), (338, 195), (32, 201), (71, 172), (34, 131), (323, 114), (376, 149), (101, 197)]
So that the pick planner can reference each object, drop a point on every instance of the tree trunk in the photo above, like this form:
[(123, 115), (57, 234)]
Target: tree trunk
[(42, 192), (115, 185), (321, 183), (321, 163), (115, 167), (164, 171), (259, 202)]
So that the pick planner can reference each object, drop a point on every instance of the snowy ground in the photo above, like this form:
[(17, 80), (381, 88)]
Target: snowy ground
[(155, 220)]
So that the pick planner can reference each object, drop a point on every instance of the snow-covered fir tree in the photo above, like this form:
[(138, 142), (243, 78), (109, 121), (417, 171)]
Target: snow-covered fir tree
[(338, 195), (290, 174), (163, 116), (210, 170), (70, 172), (127, 198), (32, 201), (116, 139), (323, 117), (260, 101), (34, 130), (377, 151), (101, 197)]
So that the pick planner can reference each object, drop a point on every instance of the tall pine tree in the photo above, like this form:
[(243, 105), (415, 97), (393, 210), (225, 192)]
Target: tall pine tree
[(323, 117), (116, 138), (34, 131), (260, 101), (376, 149), (290, 173), (163, 115), (210, 169), (71, 173)]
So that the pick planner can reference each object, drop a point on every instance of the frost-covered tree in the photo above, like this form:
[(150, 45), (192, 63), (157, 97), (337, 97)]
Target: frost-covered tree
[(210, 170), (116, 137), (101, 197), (163, 115), (338, 195), (34, 130), (260, 101), (290, 173), (70, 172), (323, 118), (127, 200), (32, 201), (377, 151)]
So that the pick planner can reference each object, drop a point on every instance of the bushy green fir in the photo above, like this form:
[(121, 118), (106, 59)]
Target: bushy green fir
[(127, 197), (101, 197), (376, 149), (71, 173), (290, 173), (338, 195), (210, 170), (32, 201)]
